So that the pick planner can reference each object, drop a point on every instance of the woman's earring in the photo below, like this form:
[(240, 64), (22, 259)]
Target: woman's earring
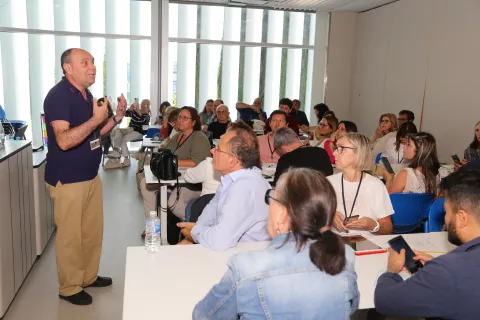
[(278, 229)]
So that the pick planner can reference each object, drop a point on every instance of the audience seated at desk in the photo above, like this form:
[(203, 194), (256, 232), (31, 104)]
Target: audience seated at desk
[(395, 146), (219, 127), (473, 151), (268, 152), (251, 112), (306, 273), (359, 193), (405, 116), (169, 127), (421, 175), (296, 155), (327, 126), (286, 106), (140, 116), (162, 112), (447, 286), (387, 128), (213, 117), (238, 212), (299, 114), (192, 147), (343, 128)]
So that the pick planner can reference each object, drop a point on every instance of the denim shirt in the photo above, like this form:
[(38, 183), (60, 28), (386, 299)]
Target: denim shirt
[(279, 283)]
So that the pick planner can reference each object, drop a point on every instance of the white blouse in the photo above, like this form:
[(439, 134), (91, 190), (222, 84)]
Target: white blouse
[(416, 181), (394, 156)]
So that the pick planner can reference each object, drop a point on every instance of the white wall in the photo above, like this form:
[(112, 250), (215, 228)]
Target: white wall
[(341, 53), (416, 55)]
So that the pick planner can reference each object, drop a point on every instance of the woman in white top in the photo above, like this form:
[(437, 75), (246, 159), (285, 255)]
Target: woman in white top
[(395, 145), (421, 175), (363, 203)]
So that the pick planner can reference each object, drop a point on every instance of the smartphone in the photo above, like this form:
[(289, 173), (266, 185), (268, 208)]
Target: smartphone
[(387, 165), (456, 159), (363, 246), (399, 243), (100, 101)]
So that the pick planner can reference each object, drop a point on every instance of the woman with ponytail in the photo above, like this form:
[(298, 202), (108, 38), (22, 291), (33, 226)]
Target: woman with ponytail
[(305, 273)]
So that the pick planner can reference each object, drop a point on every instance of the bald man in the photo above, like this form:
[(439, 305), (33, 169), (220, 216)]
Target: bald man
[(219, 127), (75, 125), (252, 112)]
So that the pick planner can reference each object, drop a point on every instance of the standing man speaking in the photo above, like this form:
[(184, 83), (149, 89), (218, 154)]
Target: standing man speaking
[(75, 125)]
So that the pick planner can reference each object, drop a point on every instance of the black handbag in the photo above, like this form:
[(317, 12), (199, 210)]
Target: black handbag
[(164, 165)]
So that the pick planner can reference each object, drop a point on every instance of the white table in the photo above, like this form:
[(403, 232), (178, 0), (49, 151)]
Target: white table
[(169, 283), (149, 126)]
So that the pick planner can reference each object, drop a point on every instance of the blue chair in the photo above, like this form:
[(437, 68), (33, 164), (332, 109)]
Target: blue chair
[(411, 210), (377, 159), (436, 217), (152, 132)]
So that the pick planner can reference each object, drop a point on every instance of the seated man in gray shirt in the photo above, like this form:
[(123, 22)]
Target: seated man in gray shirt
[(238, 212), (447, 286)]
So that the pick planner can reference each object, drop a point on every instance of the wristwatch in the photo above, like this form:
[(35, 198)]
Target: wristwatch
[(377, 227), (115, 121)]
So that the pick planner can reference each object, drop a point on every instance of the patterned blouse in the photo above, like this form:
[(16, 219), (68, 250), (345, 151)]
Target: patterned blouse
[(471, 154)]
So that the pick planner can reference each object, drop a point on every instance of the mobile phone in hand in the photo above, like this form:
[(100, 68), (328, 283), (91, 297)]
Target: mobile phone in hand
[(387, 165), (456, 159), (100, 101), (350, 219), (399, 243)]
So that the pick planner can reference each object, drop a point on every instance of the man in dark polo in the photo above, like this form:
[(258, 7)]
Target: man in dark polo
[(75, 125)]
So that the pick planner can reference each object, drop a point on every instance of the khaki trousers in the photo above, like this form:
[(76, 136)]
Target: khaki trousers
[(78, 210)]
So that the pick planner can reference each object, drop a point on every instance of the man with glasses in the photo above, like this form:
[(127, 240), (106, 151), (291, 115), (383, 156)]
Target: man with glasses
[(213, 117), (295, 154), (268, 154), (405, 116), (219, 127), (238, 212), (251, 112)]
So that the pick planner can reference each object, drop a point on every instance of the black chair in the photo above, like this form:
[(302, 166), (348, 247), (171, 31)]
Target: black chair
[(20, 133), (106, 144)]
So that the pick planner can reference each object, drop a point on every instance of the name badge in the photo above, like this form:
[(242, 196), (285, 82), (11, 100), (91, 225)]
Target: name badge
[(95, 144)]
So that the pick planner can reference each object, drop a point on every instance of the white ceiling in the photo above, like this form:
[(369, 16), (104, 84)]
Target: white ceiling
[(313, 5)]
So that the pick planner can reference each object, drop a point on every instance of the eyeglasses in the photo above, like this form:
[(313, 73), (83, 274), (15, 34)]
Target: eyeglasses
[(340, 149), (385, 121), (217, 149), (322, 125), (221, 112), (402, 120), (268, 197), (183, 118)]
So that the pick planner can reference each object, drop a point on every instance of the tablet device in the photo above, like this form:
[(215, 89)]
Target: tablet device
[(399, 243), (363, 246)]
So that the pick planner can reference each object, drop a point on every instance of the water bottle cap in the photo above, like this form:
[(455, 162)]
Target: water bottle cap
[(153, 214)]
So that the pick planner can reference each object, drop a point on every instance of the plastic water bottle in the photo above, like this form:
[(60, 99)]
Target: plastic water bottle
[(2, 137), (152, 233)]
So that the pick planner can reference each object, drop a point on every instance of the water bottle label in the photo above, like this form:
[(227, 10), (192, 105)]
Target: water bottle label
[(157, 228)]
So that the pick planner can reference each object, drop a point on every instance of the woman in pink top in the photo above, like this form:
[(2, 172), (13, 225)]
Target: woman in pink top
[(327, 126)]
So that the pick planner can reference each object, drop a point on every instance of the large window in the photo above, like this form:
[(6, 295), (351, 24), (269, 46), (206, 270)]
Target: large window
[(36, 32), (238, 54)]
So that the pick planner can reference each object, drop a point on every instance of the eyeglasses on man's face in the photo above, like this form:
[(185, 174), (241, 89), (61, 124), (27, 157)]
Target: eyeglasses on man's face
[(340, 149), (217, 149), (221, 111)]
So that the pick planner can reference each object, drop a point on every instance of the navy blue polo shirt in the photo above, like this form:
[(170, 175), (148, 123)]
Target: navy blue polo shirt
[(66, 103)]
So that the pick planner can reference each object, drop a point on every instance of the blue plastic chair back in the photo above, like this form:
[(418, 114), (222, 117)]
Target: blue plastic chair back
[(377, 159), (436, 216), (411, 210), (152, 132), (2, 114)]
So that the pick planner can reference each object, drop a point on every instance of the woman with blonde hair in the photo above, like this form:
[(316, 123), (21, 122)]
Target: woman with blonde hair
[(363, 203), (387, 128)]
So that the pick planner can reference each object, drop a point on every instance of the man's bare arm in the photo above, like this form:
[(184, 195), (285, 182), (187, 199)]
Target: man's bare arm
[(68, 138), (241, 105), (109, 125)]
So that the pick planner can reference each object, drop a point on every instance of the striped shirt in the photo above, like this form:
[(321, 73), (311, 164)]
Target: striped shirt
[(137, 122)]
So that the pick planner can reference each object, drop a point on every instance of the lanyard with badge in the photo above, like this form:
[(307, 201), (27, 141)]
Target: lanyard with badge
[(350, 217), (270, 147)]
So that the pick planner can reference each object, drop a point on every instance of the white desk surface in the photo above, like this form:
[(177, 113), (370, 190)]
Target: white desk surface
[(168, 284), (149, 126)]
